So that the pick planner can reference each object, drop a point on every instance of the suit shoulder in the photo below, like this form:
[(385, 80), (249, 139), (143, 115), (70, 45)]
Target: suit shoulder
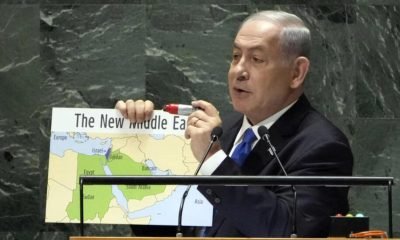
[(321, 127)]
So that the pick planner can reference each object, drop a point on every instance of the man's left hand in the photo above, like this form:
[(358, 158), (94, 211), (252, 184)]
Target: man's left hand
[(200, 125)]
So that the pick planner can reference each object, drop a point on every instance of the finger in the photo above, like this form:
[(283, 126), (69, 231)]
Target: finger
[(201, 124), (139, 110), (188, 132), (121, 107), (148, 109), (205, 120), (131, 111), (207, 107), (191, 121), (199, 114)]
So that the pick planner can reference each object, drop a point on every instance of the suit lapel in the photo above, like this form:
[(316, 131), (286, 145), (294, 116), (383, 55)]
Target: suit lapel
[(260, 161), (232, 124), (289, 122), (280, 134)]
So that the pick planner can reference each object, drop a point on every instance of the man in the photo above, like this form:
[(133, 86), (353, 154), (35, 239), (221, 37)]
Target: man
[(270, 61)]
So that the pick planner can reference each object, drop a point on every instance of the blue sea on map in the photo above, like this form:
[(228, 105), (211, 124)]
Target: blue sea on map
[(197, 209), (77, 142)]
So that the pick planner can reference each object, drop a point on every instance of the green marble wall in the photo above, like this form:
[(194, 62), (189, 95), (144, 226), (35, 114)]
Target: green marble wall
[(91, 53)]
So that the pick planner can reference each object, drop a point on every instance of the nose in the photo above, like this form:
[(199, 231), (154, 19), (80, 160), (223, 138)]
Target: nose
[(244, 75), (241, 70)]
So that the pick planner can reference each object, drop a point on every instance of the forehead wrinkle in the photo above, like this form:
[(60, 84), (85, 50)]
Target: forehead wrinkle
[(257, 34), (251, 48)]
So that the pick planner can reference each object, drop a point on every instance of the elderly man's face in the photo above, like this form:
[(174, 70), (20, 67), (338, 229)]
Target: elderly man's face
[(259, 79)]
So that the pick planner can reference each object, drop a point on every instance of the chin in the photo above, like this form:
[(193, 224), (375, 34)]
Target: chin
[(240, 107)]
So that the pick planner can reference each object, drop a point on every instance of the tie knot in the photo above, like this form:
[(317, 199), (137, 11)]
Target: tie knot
[(249, 136)]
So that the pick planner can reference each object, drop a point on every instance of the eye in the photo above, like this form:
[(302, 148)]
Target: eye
[(235, 56), (258, 60)]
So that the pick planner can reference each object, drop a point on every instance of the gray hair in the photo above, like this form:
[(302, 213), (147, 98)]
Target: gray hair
[(295, 38)]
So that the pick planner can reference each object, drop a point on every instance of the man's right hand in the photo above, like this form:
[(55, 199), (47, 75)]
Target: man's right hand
[(136, 111)]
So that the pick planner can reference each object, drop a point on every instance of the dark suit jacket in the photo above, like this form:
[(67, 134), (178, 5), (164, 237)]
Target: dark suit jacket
[(308, 145)]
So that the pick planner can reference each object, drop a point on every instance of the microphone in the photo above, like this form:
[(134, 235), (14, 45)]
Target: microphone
[(215, 135), (264, 134)]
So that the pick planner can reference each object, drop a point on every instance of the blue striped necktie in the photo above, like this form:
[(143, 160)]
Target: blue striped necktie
[(244, 148)]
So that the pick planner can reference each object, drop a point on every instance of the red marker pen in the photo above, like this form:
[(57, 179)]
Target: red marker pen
[(180, 109)]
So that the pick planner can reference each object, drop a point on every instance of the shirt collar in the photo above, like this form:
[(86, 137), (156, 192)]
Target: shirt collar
[(268, 122)]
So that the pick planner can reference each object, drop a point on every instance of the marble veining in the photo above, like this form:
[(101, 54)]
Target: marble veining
[(89, 54)]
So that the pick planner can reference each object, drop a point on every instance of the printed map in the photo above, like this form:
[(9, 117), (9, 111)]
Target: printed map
[(73, 154)]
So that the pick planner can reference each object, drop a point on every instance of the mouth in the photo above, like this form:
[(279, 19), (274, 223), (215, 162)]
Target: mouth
[(240, 90)]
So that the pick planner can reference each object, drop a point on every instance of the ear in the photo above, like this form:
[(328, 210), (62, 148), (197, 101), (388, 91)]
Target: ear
[(300, 70)]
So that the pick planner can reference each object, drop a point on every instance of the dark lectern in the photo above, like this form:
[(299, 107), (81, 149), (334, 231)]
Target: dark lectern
[(328, 181)]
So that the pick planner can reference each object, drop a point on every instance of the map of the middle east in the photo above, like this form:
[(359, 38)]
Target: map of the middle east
[(101, 142)]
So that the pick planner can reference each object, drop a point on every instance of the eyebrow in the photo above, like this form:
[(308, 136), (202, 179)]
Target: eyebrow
[(252, 48)]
